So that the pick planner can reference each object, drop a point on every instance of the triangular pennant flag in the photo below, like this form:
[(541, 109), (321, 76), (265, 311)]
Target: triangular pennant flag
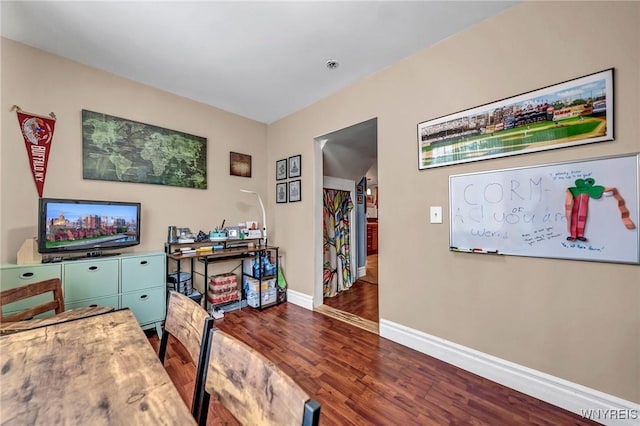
[(37, 132)]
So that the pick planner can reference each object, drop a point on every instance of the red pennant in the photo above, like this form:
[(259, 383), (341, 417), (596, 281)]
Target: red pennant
[(37, 132)]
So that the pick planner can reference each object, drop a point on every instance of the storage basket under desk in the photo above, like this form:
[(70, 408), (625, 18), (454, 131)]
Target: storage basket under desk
[(180, 282)]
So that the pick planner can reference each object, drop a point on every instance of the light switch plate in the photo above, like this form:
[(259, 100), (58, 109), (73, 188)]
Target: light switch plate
[(436, 214)]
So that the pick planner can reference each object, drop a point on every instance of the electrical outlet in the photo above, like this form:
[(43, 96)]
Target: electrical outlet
[(436, 214)]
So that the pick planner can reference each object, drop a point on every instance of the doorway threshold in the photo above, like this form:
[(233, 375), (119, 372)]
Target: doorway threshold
[(365, 324)]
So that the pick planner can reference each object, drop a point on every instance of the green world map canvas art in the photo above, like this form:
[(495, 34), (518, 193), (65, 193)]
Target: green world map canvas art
[(117, 149)]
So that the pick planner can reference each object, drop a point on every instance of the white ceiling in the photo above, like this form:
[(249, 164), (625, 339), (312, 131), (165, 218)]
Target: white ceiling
[(262, 60)]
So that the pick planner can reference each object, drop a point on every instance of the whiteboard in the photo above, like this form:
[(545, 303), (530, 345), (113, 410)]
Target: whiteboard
[(530, 211)]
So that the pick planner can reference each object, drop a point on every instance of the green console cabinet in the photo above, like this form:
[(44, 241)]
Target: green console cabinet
[(135, 281), (12, 276), (143, 287)]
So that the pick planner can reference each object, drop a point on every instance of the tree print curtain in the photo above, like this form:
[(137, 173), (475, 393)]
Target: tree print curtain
[(337, 247)]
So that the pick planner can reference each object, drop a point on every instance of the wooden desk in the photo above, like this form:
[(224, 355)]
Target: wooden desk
[(222, 255), (99, 370)]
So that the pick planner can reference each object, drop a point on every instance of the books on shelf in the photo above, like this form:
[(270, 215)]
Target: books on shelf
[(184, 250)]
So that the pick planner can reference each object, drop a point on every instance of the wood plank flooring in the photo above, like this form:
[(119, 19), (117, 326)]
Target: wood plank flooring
[(363, 379), (359, 304), (349, 318), (361, 300)]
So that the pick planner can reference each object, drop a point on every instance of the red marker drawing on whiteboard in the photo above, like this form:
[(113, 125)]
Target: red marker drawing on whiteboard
[(577, 206)]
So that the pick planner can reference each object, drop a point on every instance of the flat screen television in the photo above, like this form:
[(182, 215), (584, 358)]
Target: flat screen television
[(67, 225)]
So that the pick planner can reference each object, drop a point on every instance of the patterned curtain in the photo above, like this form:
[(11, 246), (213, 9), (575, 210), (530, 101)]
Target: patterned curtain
[(337, 247)]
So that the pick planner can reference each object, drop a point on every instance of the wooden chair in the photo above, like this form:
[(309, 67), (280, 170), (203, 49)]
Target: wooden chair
[(190, 324), (22, 320), (252, 388)]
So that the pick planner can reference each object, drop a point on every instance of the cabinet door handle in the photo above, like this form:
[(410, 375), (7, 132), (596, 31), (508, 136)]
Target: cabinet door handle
[(144, 296), (27, 275), (93, 268), (144, 262)]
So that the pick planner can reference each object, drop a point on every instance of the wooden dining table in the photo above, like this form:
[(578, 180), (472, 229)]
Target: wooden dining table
[(99, 370)]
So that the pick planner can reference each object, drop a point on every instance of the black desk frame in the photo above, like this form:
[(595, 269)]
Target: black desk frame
[(256, 252)]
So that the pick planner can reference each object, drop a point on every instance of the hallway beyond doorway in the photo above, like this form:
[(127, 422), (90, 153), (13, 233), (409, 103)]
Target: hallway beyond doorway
[(359, 304), (371, 274)]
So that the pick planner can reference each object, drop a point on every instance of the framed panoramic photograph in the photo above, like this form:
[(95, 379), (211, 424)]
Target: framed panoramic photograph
[(295, 166), (574, 112), (295, 191), (239, 164), (281, 192), (281, 169)]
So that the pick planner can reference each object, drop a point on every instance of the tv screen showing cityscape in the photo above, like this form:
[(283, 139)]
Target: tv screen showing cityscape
[(75, 225)]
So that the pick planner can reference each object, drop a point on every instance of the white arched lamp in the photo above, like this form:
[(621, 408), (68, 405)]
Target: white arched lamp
[(264, 215)]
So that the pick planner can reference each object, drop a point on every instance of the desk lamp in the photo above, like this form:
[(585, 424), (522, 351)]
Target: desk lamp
[(264, 216)]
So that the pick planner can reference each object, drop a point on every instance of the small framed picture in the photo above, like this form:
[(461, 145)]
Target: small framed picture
[(359, 189), (295, 166), (295, 190), (281, 169), (239, 164), (281, 192), (360, 199)]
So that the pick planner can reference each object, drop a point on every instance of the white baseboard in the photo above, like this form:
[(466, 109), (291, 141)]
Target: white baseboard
[(362, 272), (600, 407), (300, 299)]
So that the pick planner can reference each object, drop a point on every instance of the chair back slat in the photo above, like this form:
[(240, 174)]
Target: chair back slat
[(184, 321), (53, 285), (189, 323), (251, 387)]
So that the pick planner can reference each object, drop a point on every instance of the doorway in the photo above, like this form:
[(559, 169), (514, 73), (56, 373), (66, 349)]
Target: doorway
[(350, 155)]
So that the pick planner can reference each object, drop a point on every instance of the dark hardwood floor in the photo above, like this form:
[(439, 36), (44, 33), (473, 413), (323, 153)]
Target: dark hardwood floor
[(363, 379), (361, 300)]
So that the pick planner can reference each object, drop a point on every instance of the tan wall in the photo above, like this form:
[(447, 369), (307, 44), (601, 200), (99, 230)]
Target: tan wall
[(576, 320), (40, 83)]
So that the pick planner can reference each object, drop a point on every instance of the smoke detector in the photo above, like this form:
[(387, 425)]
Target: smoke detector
[(332, 65)]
